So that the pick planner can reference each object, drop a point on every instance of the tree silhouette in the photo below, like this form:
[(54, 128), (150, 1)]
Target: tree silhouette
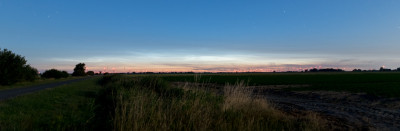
[(91, 73), (54, 73), (79, 70), (13, 68), (384, 69)]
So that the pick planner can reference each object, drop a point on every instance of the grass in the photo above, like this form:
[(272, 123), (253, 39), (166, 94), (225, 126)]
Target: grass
[(150, 103), (386, 84), (33, 83), (67, 107)]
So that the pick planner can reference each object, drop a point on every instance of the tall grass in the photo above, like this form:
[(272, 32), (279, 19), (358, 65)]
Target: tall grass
[(151, 103)]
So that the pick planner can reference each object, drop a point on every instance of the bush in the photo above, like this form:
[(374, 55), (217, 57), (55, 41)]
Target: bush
[(65, 74), (53, 73), (13, 68), (91, 73), (30, 74)]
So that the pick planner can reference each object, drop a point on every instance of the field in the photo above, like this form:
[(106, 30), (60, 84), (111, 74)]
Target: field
[(258, 101), (151, 103), (374, 83)]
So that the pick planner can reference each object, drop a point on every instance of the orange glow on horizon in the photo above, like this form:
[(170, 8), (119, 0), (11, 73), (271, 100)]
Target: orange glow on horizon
[(213, 69)]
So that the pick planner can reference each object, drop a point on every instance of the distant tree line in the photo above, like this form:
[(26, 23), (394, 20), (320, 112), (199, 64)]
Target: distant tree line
[(79, 70), (14, 68), (324, 70), (382, 69)]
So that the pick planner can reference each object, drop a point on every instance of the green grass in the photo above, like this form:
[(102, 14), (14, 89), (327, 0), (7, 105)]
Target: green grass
[(68, 107), (386, 84), (36, 82)]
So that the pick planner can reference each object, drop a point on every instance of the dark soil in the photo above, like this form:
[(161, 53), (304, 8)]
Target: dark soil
[(354, 111)]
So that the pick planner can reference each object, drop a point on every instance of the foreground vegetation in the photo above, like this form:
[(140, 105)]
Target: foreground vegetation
[(150, 103), (147, 103), (68, 107), (386, 84)]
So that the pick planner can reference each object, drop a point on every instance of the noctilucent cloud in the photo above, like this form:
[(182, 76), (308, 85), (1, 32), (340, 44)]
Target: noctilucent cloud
[(203, 35)]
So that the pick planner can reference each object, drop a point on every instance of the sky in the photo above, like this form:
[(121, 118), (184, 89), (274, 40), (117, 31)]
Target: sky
[(202, 35)]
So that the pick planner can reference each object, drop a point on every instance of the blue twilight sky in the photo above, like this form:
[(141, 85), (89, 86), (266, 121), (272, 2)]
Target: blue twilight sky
[(203, 35)]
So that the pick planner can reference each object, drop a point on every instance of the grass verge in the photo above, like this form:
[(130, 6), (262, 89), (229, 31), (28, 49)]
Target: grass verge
[(68, 107)]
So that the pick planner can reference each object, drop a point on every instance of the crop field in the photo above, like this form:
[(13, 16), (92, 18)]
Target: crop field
[(374, 83)]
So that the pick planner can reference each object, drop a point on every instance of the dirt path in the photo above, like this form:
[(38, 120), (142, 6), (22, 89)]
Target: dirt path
[(11, 93), (355, 111)]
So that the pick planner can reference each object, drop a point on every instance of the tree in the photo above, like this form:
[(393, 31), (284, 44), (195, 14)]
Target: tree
[(13, 68), (91, 73), (79, 70), (54, 73)]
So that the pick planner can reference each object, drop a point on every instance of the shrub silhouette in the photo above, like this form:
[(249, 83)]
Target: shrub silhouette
[(65, 74), (30, 74), (79, 70), (13, 68), (91, 73), (54, 73)]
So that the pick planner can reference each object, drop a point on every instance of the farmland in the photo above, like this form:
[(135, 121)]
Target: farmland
[(243, 101), (374, 83)]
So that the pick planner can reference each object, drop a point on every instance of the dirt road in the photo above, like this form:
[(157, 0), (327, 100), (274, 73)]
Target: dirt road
[(7, 94)]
